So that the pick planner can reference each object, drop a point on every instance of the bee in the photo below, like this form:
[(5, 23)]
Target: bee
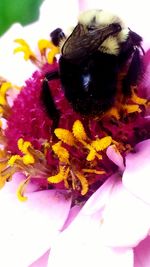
[(91, 57)]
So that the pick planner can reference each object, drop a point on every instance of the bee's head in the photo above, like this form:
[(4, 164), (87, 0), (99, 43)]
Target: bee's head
[(101, 19), (96, 30)]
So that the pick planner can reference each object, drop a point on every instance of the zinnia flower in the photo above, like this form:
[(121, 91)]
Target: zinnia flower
[(84, 188)]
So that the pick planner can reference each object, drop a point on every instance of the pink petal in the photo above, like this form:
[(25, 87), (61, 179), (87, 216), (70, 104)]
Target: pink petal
[(120, 218), (29, 228), (142, 254), (42, 261), (80, 245), (12, 186), (126, 219), (115, 156), (71, 216), (136, 177)]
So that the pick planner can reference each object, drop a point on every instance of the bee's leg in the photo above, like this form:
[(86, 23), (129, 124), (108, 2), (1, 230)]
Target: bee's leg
[(57, 36), (48, 101), (133, 73)]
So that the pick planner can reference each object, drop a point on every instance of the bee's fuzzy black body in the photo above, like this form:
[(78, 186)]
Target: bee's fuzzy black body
[(89, 71), (92, 83)]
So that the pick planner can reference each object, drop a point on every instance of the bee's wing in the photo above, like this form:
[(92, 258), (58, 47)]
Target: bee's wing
[(80, 43)]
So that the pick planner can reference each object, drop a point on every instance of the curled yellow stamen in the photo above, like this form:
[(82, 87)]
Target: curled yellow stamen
[(3, 89), (91, 155), (114, 113), (61, 152), (78, 130), (101, 144), (21, 190), (131, 108), (24, 147), (65, 136), (13, 159), (51, 54), (84, 183), (59, 177), (136, 99), (93, 171), (43, 45), (28, 54)]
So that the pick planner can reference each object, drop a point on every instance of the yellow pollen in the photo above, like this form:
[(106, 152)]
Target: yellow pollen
[(28, 54), (21, 190), (91, 155), (43, 44), (51, 54), (1, 111), (78, 130), (65, 136), (61, 152), (114, 113), (13, 159), (3, 89), (93, 171), (101, 144), (24, 147), (136, 99), (131, 108), (84, 183), (62, 175)]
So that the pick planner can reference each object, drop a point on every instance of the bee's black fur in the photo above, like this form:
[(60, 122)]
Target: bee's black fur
[(91, 85), (48, 101)]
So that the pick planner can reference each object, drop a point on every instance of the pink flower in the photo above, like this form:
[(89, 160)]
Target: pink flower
[(88, 195), (112, 229)]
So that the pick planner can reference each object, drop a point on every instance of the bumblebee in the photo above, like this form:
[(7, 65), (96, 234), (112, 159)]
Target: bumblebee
[(98, 48)]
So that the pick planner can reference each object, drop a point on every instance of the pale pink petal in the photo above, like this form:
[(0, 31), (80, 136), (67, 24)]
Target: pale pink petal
[(42, 261), (136, 177), (71, 216), (80, 245), (29, 228), (120, 218), (126, 219), (12, 186), (142, 254), (114, 155)]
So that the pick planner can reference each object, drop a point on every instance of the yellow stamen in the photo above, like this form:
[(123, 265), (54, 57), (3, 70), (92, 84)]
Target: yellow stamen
[(65, 136), (54, 50), (43, 44), (91, 155), (101, 144), (131, 108), (84, 183), (4, 88), (1, 110), (24, 147), (136, 99), (13, 159), (93, 171), (114, 113), (28, 54), (51, 54), (21, 190), (59, 177), (78, 130), (61, 152)]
